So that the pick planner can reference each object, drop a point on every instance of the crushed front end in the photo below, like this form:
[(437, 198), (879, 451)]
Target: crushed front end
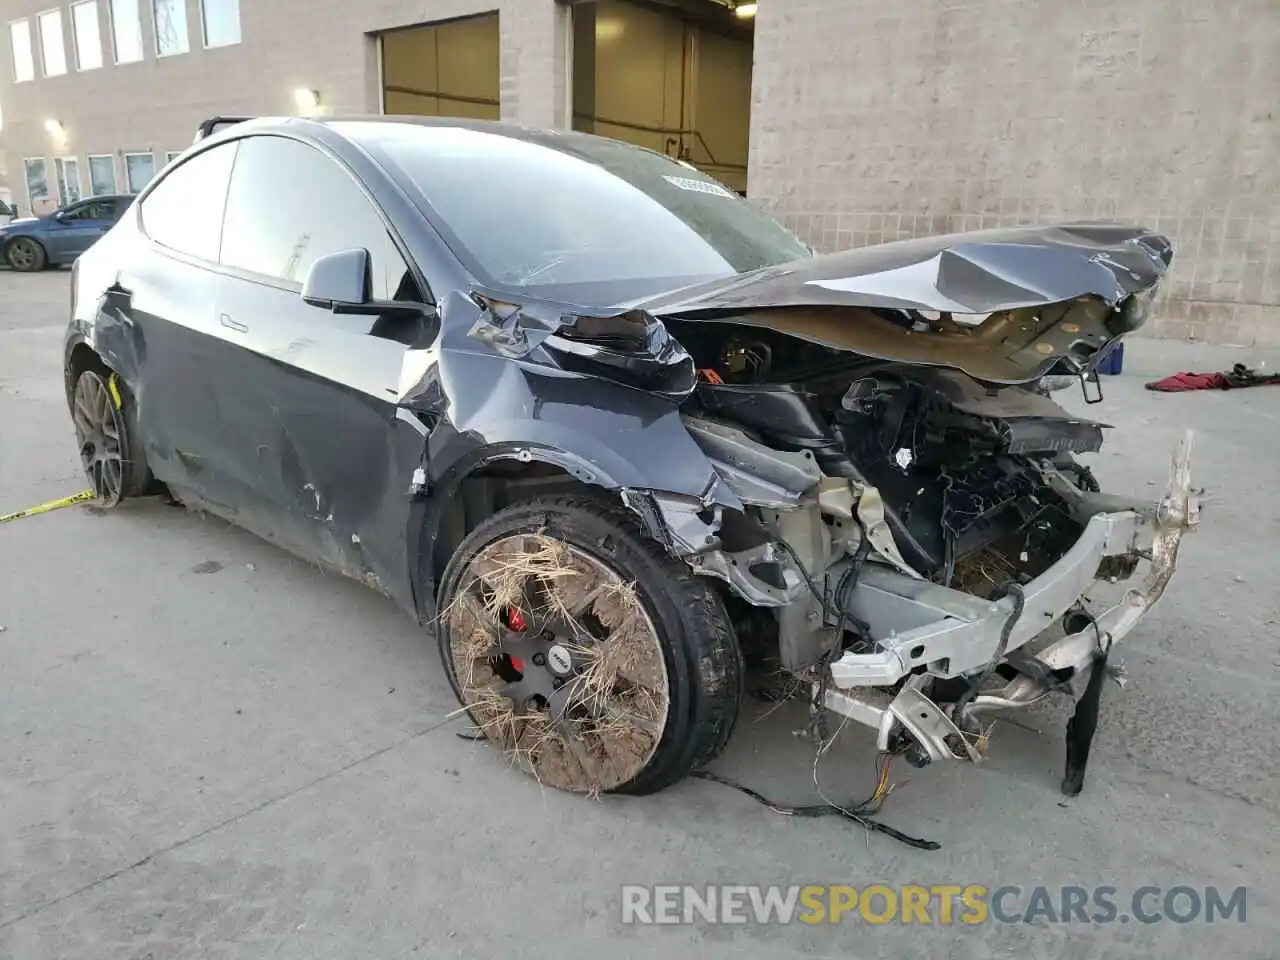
[(918, 544)]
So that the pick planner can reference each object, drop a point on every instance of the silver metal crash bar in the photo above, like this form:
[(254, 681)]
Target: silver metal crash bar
[(965, 637)]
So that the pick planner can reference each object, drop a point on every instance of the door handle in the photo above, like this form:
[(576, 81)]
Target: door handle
[(226, 321)]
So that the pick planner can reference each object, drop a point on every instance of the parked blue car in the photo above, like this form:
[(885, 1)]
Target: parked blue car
[(34, 243)]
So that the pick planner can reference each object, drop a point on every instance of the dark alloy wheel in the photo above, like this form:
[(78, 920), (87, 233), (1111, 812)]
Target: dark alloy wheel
[(25, 254), (109, 453)]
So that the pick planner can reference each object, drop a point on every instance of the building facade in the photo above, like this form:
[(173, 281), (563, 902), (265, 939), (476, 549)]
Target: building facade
[(854, 122)]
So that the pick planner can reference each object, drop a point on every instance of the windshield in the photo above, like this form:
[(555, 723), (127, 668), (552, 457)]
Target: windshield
[(575, 211)]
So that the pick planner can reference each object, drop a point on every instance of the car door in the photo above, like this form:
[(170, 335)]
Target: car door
[(77, 227), (309, 406), (162, 307)]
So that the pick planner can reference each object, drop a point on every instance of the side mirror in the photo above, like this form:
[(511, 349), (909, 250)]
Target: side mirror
[(340, 281), (60, 216)]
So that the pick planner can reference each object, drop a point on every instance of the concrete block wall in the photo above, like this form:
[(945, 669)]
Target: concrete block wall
[(873, 122)]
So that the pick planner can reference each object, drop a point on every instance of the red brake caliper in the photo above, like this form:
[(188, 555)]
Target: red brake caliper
[(517, 623)]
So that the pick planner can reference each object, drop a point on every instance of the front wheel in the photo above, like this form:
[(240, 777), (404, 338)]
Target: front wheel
[(110, 449), (594, 659), (25, 254)]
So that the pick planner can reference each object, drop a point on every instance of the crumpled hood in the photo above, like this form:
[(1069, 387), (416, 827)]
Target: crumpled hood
[(1011, 304), (969, 273)]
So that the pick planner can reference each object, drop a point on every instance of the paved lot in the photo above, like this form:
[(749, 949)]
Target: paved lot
[(239, 763)]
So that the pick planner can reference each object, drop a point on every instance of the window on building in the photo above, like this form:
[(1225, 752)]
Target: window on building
[(24, 65), (126, 30), (67, 170), (53, 49), (102, 174), (221, 22), (139, 168), (37, 182), (171, 156), (184, 211), (171, 27), (84, 31), (289, 205)]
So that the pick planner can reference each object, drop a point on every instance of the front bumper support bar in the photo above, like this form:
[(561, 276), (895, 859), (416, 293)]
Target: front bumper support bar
[(924, 630)]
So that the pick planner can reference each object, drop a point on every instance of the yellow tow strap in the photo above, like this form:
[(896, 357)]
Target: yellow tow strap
[(84, 496)]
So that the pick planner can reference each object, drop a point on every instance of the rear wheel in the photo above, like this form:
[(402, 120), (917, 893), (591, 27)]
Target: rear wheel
[(110, 450), (25, 254), (592, 657)]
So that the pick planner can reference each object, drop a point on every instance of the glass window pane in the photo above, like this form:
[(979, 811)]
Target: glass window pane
[(68, 173), (24, 66), (102, 175), (53, 51), (84, 27), (289, 205), (184, 211), (37, 182), (139, 168), (566, 211), (221, 22), (171, 27), (126, 30)]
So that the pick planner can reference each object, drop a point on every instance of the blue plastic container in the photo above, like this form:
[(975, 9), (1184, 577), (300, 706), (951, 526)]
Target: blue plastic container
[(1113, 360)]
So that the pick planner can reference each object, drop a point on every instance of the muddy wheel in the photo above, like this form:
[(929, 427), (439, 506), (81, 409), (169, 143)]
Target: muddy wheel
[(595, 660), (25, 254), (110, 452)]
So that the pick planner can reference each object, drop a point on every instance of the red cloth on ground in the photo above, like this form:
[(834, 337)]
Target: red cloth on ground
[(1181, 382)]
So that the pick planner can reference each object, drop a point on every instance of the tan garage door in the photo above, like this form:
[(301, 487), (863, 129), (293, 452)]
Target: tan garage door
[(443, 69)]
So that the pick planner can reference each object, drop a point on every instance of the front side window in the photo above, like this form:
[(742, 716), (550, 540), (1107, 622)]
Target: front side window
[(90, 210), (84, 31), (184, 211), (24, 64), (53, 51), (290, 204), (102, 175), (577, 211), (171, 27), (139, 168), (221, 22), (37, 181), (126, 30)]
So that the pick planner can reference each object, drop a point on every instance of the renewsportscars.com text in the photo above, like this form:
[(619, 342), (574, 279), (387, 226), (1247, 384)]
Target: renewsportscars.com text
[(944, 904)]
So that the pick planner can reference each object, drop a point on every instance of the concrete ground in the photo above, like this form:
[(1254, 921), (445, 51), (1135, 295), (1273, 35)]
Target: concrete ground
[(209, 749)]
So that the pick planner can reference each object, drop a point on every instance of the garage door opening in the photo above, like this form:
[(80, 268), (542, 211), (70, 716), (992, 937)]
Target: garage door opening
[(447, 69), (671, 75)]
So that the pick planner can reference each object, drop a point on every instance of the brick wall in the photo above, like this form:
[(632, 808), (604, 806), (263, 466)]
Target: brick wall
[(874, 122)]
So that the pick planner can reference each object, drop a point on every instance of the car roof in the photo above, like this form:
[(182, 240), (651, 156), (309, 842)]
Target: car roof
[(359, 128)]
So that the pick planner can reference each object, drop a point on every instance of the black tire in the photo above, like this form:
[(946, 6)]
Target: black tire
[(26, 255), (703, 663), (101, 405)]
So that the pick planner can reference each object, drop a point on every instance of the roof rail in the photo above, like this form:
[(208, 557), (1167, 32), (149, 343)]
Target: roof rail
[(213, 123)]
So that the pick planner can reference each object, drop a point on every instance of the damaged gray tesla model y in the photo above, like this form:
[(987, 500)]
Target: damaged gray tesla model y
[(607, 430)]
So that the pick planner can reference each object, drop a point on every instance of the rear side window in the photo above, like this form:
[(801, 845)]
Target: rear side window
[(289, 204), (184, 211)]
